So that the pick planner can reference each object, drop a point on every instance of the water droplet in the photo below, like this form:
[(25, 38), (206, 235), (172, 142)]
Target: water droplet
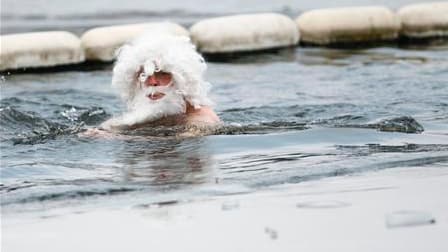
[(409, 218)]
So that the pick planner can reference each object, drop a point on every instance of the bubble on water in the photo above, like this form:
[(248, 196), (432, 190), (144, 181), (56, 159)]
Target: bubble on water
[(322, 204), (409, 218)]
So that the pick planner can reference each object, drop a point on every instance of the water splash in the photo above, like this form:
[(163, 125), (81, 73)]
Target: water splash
[(29, 128)]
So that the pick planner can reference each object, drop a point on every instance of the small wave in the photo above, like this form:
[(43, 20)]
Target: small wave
[(71, 194), (347, 116), (89, 116), (38, 137), (368, 149), (335, 170), (260, 128), (16, 120), (340, 120), (402, 124), (304, 113), (29, 128), (250, 163), (14, 187), (313, 115), (45, 93), (14, 101), (46, 120)]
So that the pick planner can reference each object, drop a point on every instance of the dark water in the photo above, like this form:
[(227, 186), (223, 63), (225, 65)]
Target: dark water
[(295, 115)]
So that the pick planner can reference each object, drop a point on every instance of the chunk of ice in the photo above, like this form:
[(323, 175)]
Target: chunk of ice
[(409, 218)]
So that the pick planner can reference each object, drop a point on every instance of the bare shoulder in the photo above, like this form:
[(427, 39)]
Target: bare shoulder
[(204, 116)]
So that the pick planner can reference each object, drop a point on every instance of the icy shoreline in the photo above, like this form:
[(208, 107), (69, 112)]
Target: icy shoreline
[(401, 209)]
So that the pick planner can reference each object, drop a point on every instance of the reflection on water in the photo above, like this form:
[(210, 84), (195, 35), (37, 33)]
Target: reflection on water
[(171, 163)]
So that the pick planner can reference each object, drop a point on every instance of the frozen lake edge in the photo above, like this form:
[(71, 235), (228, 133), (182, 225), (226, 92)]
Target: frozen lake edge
[(346, 213)]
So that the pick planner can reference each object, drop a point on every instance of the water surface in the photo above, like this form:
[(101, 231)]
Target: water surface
[(291, 116)]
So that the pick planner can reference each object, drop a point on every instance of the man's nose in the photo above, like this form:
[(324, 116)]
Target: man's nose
[(152, 81)]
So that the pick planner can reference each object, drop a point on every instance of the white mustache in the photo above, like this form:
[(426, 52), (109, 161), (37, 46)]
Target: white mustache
[(160, 89), (142, 110)]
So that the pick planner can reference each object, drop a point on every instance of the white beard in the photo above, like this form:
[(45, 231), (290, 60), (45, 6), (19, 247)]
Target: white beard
[(141, 109)]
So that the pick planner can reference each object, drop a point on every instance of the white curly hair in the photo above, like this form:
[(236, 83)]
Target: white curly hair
[(162, 52)]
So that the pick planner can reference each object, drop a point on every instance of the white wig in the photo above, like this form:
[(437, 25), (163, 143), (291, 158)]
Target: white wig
[(162, 52)]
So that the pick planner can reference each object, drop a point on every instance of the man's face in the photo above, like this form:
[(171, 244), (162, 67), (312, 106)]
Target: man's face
[(156, 83), (156, 96)]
